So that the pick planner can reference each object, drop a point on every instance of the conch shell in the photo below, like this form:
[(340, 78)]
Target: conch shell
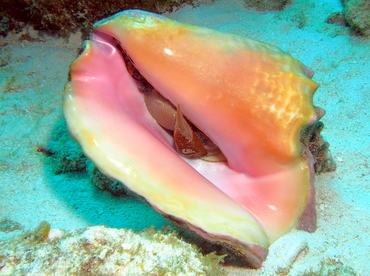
[(249, 98)]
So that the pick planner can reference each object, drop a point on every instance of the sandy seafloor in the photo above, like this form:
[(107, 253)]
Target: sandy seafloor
[(33, 75)]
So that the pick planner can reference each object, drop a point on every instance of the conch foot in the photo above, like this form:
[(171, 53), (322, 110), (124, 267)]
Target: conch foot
[(152, 101)]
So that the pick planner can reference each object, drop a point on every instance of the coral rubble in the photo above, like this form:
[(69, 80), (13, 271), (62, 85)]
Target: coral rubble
[(357, 14), (337, 19), (100, 250), (66, 16), (8, 226), (266, 5)]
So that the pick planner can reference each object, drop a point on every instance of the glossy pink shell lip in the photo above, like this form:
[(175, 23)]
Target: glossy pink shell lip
[(106, 114)]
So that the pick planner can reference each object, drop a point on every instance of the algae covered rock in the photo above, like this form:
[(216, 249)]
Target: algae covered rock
[(63, 17), (357, 14), (266, 5)]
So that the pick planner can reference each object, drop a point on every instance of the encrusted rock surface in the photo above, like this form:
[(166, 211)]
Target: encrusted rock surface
[(357, 14), (99, 250), (63, 17), (266, 5)]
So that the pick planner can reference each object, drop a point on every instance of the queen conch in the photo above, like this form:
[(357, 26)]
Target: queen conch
[(205, 125)]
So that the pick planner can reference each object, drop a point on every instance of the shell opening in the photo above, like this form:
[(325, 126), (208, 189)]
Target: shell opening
[(189, 141)]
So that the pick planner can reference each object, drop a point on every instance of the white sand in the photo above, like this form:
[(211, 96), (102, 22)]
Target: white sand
[(32, 87)]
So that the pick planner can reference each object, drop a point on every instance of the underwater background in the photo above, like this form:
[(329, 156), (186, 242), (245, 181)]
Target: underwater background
[(45, 177)]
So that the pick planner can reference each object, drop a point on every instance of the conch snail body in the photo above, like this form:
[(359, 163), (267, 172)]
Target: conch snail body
[(248, 98)]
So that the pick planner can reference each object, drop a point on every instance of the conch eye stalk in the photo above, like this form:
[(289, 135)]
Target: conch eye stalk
[(187, 143), (205, 125)]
